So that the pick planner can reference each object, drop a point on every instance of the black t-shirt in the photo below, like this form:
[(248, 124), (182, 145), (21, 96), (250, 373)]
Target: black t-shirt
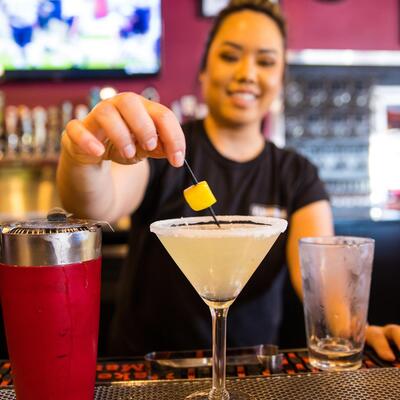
[(157, 308)]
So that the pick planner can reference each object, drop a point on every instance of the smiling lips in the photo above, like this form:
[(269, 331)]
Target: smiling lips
[(243, 98)]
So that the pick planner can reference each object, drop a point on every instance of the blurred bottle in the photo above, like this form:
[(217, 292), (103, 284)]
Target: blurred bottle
[(66, 113), (94, 96), (53, 131), (2, 129), (294, 124), (317, 93), (361, 124), (341, 93), (188, 108), (188, 103), (39, 130), (362, 91), (177, 110), (107, 92), (340, 124), (25, 117), (151, 93), (81, 110), (11, 127), (294, 94), (316, 125)]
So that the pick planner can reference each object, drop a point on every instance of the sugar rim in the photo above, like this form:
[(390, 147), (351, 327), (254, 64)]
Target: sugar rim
[(272, 226)]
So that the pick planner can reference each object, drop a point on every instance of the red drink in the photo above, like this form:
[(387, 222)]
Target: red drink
[(51, 318)]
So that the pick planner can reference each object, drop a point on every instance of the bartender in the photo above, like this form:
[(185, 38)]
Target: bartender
[(126, 158)]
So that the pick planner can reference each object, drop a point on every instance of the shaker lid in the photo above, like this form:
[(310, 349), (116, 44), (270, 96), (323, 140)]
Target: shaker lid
[(57, 221), (58, 239)]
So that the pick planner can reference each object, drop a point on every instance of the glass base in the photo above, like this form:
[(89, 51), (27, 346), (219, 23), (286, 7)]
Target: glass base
[(231, 395), (341, 358), (335, 365)]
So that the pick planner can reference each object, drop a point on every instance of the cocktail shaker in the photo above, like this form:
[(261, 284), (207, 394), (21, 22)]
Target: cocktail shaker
[(50, 295)]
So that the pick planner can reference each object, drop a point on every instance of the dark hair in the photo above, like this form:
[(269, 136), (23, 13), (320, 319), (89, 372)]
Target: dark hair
[(266, 7)]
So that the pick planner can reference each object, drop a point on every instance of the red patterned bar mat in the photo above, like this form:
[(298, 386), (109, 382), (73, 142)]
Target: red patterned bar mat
[(130, 369)]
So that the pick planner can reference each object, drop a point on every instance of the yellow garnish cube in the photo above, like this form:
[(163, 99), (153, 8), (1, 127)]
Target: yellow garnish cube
[(199, 196)]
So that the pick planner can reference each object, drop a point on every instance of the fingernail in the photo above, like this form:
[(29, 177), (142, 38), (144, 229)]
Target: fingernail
[(129, 151), (177, 159), (96, 148), (151, 144)]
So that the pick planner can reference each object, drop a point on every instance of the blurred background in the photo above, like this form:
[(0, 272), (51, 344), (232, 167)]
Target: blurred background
[(340, 107)]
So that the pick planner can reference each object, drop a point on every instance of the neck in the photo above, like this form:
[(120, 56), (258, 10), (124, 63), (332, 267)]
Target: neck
[(239, 143)]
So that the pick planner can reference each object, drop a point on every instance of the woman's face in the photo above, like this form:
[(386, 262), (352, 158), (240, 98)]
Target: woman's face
[(244, 68)]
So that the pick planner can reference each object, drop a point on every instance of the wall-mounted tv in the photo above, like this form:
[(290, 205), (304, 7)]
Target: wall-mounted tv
[(79, 38)]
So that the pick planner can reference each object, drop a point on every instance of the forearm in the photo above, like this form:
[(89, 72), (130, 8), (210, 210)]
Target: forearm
[(86, 190), (314, 219)]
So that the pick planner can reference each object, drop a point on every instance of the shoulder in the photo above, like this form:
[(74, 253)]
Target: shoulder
[(290, 163), (298, 178)]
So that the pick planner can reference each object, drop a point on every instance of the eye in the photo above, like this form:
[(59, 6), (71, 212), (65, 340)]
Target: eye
[(229, 57), (266, 62)]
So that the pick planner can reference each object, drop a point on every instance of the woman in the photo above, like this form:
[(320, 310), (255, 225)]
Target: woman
[(100, 177)]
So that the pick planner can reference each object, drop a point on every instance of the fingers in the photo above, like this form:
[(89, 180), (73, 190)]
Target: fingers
[(82, 142), (169, 132), (376, 338), (132, 109), (392, 332), (132, 128), (113, 128)]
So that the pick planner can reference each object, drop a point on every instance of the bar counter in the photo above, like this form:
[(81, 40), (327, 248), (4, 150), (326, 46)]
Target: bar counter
[(294, 378), (137, 378)]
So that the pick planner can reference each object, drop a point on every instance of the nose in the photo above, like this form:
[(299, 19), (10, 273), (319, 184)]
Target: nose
[(246, 70)]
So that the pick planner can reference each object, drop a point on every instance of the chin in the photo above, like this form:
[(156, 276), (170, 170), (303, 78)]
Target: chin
[(243, 118), (241, 122)]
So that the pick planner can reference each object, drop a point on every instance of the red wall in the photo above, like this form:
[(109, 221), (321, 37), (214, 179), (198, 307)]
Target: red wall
[(356, 24), (346, 24), (184, 35)]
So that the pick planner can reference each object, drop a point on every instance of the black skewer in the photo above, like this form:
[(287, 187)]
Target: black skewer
[(195, 182), (191, 173)]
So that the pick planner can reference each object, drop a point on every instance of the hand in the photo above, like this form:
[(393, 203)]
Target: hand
[(378, 338), (125, 129)]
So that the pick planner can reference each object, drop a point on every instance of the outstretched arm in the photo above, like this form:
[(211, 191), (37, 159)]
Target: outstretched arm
[(99, 174)]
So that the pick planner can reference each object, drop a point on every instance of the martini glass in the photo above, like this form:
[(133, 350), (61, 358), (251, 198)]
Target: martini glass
[(218, 262)]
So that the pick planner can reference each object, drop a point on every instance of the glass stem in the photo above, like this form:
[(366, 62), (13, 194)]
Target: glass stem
[(218, 391)]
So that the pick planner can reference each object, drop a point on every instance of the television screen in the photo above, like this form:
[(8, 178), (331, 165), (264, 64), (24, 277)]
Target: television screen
[(79, 38)]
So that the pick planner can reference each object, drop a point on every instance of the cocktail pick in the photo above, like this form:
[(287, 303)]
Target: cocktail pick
[(202, 189)]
